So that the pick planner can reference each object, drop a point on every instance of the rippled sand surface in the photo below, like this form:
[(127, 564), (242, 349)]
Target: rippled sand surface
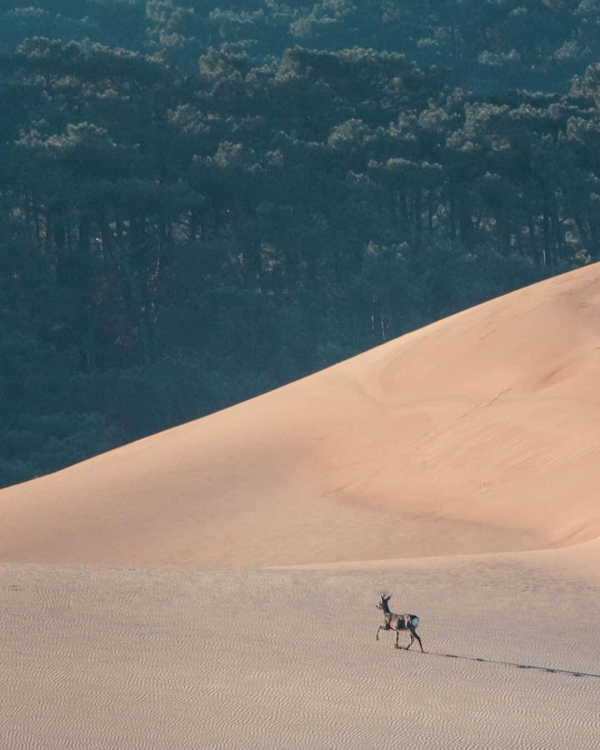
[(124, 658)]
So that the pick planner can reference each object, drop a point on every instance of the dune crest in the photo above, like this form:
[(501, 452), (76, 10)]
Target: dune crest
[(479, 433)]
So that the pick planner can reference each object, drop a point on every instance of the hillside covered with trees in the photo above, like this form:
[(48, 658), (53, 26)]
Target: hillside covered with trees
[(199, 203)]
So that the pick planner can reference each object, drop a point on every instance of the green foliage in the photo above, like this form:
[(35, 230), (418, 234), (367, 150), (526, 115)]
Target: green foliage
[(487, 46), (51, 442)]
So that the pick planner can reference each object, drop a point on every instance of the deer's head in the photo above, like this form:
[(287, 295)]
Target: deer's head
[(383, 604)]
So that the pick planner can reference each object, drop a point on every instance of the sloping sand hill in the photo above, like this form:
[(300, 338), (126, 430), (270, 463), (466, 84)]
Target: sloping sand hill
[(479, 434)]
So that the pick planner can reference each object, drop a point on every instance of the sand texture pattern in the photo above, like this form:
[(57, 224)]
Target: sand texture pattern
[(214, 586), (180, 659)]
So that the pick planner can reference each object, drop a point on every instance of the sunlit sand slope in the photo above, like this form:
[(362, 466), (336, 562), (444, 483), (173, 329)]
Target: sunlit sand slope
[(478, 433)]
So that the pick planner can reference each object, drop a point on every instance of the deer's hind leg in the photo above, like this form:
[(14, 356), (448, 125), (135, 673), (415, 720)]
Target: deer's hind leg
[(413, 637)]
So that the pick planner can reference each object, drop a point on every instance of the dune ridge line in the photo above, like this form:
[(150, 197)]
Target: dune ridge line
[(478, 433)]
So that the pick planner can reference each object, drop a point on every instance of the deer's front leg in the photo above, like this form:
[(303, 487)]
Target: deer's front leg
[(385, 626)]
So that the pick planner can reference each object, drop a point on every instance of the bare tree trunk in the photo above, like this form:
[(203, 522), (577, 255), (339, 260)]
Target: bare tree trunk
[(429, 215), (47, 248), (453, 218), (417, 218), (546, 230), (137, 305), (84, 236), (537, 256), (557, 234), (583, 233), (595, 235)]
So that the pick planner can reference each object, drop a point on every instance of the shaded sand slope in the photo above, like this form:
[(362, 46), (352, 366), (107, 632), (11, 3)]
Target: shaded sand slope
[(478, 433), (96, 658)]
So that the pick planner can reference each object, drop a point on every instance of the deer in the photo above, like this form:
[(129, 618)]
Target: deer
[(398, 623)]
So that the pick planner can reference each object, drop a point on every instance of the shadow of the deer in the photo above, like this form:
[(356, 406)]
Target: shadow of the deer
[(537, 667)]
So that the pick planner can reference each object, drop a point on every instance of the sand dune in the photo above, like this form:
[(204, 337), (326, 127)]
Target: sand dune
[(479, 433)]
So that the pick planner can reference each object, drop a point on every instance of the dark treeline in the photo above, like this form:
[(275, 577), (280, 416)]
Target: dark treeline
[(485, 44), (174, 242)]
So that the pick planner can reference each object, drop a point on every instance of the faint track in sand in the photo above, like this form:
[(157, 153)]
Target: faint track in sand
[(536, 667)]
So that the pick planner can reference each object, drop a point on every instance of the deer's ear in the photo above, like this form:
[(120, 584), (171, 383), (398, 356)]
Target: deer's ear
[(387, 598)]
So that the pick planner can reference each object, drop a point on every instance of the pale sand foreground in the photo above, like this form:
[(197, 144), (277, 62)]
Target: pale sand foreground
[(178, 659), (479, 434)]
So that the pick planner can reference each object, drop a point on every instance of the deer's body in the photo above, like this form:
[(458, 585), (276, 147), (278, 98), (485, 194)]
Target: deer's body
[(398, 623)]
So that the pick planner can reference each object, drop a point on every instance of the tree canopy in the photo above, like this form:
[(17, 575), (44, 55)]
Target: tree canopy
[(200, 203)]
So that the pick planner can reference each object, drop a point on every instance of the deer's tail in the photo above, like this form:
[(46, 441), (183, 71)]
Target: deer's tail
[(414, 621)]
